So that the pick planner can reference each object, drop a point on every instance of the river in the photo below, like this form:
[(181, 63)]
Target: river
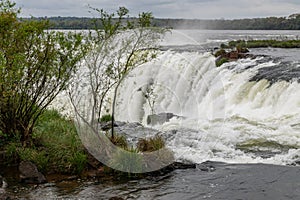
[(241, 121)]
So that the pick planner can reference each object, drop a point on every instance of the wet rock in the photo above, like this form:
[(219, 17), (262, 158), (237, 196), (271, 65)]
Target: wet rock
[(284, 71), (30, 174), (134, 131), (160, 118), (172, 167), (105, 126), (206, 168), (116, 198)]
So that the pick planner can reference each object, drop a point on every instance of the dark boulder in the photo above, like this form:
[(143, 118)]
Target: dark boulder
[(30, 174), (160, 118), (106, 126), (116, 198), (172, 167)]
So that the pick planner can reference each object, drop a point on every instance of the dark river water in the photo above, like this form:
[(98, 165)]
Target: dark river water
[(222, 181)]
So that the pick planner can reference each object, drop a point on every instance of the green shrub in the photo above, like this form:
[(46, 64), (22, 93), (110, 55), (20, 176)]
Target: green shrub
[(105, 118), (220, 52), (12, 152), (223, 46), (35, 65), (221, 61)]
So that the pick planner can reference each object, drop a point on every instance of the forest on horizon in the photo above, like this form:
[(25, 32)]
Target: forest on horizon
[(291, 22)]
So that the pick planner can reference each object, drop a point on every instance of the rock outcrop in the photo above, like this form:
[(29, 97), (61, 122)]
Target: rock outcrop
[(30, 174)]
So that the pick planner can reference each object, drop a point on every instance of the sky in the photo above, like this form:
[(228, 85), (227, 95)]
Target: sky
[(188, 9)]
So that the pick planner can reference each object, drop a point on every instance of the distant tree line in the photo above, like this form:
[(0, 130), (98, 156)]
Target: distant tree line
[(270, 23)]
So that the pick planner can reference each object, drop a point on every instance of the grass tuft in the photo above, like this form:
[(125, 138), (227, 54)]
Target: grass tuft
[(151, 144)]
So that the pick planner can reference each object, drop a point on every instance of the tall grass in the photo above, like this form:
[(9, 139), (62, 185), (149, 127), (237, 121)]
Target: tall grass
[(56, 146)]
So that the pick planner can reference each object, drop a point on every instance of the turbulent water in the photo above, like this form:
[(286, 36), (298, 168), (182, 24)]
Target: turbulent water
[(246, 111)]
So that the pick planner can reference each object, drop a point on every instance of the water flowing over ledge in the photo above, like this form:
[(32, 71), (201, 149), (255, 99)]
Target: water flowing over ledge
[(246, 111)]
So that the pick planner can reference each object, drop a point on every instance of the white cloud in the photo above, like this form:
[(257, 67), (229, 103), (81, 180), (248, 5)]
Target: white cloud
[(203, 9)]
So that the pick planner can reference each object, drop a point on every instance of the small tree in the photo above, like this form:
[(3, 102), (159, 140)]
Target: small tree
[(149, 94), (35, 65), (119, 44)]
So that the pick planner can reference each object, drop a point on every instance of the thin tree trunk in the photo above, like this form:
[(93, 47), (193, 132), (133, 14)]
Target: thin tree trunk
[(113, 109)]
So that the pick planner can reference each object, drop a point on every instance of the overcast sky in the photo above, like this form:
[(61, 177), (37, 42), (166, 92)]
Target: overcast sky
[(191, 9)]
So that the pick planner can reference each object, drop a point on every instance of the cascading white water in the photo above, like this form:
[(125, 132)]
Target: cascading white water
[(226, 117)]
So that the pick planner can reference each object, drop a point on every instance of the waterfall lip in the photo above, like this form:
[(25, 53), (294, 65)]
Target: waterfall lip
[(283, 71)]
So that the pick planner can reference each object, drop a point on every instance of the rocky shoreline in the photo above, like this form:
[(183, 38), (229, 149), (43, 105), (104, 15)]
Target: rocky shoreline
[(26, 172)]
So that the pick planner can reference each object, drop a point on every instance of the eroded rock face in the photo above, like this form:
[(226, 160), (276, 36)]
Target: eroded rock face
[(30, 174)]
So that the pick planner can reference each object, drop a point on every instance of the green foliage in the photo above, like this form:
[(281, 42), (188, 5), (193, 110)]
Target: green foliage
[(35, 65), (39, 157), (59, 138), (264, 43), (223, 46), (105, 118), (56, 147), (269, 23), (11, 152), (151, 144), (220, 52), (221, 61)]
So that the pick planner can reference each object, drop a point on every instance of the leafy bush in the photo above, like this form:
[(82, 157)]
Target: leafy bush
[(220, 52), (221, 61), (105, 118), (35, 65)]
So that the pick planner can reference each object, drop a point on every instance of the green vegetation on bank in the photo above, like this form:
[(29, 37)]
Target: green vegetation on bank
[(237, 49), (37, 64), (55, 148), (221, 61), (263, 43)]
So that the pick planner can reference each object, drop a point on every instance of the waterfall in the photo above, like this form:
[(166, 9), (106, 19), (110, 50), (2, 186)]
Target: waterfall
[(225, 116)]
